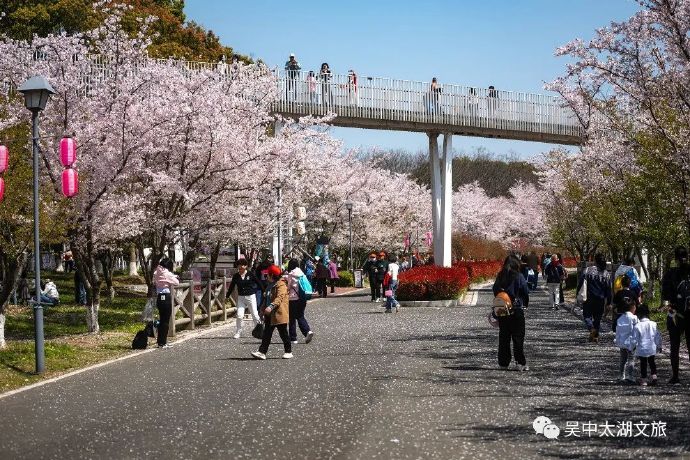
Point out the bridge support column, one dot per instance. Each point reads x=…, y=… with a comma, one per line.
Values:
x=441, y=196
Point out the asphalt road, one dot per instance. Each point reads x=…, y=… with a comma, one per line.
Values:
x=422, y=383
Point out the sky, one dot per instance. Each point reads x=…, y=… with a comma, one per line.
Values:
x=506, y=43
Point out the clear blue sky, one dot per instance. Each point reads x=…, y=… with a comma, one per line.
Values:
x=505, y=43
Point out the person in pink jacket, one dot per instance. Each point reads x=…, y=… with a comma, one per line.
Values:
x=333, y=273
x=165, y=280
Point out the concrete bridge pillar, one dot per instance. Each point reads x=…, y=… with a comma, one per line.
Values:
x=441, y=196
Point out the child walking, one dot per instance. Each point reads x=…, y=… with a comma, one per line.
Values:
x=624, y=340
x=647, y=340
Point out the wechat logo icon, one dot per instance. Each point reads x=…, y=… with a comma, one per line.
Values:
x=544, y=425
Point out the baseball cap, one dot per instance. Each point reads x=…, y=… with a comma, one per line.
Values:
x=274, y=270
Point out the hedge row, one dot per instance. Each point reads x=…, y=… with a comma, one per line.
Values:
x=430, y=282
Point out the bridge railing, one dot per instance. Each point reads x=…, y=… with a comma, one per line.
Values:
x=404, y=100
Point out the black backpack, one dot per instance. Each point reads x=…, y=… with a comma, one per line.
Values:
x=141, y=340
x=683, y=294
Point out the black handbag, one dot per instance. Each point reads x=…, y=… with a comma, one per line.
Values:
x=258, y=331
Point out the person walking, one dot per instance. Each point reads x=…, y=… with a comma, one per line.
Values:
x=393, y=270
x=276, y=314
x=624, y=340
x=564, y=277
x=332, y=274
x=512, y=327
x=598, y=295
x=246, y=284
x=381, y=270
x=297, y=304
x=619, y=301
x=322, y=275
x=165, y=280
x=369, y=270
x=647, y=341
x=675, y=292
x=292, y=69
x=554, y=275
x=533, y=264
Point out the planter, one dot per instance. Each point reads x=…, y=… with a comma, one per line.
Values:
x=431, y=303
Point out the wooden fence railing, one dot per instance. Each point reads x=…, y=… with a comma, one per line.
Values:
x=196, y=303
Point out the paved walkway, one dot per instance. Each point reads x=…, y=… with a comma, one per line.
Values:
x=422, y=383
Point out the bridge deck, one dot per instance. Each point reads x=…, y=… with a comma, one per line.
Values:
x=378, y=103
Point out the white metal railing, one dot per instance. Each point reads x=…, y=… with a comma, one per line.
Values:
x=385, y=99
x=411, y=101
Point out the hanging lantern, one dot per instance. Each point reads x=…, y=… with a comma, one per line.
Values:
x=2, y=188
x=70, y=182
x=68, y=151
x=4, y=158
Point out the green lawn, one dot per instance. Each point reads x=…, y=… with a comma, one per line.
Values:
x=68, y=346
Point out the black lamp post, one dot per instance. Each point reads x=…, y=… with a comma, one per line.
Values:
x=37, y=91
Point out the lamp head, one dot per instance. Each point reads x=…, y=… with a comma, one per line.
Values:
x=36, y=91
x=348, y=205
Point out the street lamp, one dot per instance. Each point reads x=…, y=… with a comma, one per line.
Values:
x=348, y=205
x=279, y=256
x=37, y=91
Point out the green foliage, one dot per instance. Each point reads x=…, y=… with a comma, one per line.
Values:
x=346, y=279
x=172, y=35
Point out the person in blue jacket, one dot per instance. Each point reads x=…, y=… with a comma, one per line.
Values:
x=512, y=327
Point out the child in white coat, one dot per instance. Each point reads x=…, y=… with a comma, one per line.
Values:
x=647, y=340
x=624, y=340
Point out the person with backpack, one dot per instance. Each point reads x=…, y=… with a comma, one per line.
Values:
x=165, y=280
x=511, y=286
x=647, y=341
x=554, y=274
x=619, y=299
x=627, y=268
x=675, y=292
x=598, y=280
x=564, y=277
x=322, y=275
x=246, y=284
x=297, y=302
x=276, y=314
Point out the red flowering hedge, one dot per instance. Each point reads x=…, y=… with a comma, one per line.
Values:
x=430, y=282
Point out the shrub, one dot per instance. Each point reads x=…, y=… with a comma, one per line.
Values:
x=346, y=279
x=430, y=282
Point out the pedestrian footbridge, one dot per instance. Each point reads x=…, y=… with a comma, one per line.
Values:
x=403, y=105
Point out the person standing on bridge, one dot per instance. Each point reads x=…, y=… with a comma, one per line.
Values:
x=311, y=87
x=512, y=327
x=276, y=314
x=434, y=97
x=325, y=77
x=292, y=69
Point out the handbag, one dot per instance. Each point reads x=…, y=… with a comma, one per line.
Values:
x=258, y=331
x=388, y=293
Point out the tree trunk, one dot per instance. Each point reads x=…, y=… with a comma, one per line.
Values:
x=133, y=260
x=213, y=262
x=92, y=309
x=11, y=267
x=188, y=260
x=85, y=258
x=106, y=258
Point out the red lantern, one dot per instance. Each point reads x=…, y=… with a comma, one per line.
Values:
x=70, y=182
x=4, y=159
x=2, y=188
x=68, y=151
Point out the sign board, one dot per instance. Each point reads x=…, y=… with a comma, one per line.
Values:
x=359, y=281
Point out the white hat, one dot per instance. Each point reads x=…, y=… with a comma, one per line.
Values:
x=317, y=258
x=292, y=54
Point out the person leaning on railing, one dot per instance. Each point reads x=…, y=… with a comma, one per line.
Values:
x=292, y=69
x=165, y=281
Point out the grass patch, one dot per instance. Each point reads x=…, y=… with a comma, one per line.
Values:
x=68, y=345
